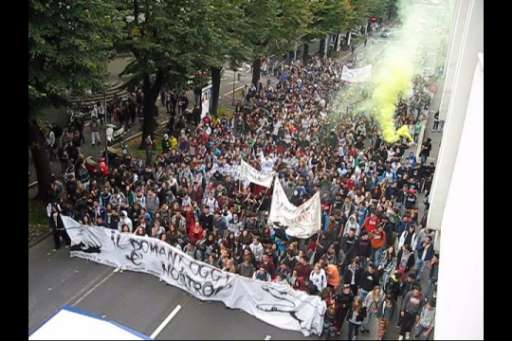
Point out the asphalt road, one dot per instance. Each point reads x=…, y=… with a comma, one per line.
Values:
x=139, y=301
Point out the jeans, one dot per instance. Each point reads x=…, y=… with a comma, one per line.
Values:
x=420, y=265
x=353, y=330
x=419, y=332
x=378, y=256
x=362, y=293
x=366, y=321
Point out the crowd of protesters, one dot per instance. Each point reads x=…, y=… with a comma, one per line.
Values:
x=373, y=252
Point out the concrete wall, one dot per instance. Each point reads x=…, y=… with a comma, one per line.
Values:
x=466, y=43
x=459, y=296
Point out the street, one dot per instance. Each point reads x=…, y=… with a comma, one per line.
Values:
x=139, y=301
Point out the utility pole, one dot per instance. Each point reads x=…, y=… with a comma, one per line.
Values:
x=105, y=117
x=234, y=81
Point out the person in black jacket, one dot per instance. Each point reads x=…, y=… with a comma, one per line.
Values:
x=348, y=244
x=57, y=227
x=369, y=279
x=405, y=260
x=355, y=317
x=352, y=274
x=206, y=219
x=363, y=248
x=345, y=299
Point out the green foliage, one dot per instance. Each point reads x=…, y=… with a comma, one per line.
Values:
x=162, y=36
x=69, y=45
x=36, y=213
x=329, y=16
x=364, y=9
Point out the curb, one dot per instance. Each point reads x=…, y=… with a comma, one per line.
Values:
x=38, y=240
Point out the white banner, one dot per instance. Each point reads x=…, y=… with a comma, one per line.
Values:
x=356, y=75
x=275, y=304
x=251, y=174
x=302, y=221
x=206, y=94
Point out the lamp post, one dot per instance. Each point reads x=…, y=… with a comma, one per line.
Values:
x=234, y=83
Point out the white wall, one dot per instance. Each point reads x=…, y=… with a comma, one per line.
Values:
x=460, y=284
x=466, y=43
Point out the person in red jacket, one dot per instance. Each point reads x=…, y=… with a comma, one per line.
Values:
x=303, y=269
x=350, y=184
x=102, y=165
x=196, y=233
x=378, y=242
x=371, y=223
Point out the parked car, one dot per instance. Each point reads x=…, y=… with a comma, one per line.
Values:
x=386, y=33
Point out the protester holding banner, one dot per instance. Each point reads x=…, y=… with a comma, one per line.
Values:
x=266, y=183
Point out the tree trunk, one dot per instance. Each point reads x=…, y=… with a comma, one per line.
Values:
x=336, y=42
x=41, y=159
x=150, y=92
x=305, y=54
x=322, y=47
x=256, y=71
x=197, y=96
x=215, y=89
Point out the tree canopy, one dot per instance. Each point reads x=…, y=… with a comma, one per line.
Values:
x=69, y=45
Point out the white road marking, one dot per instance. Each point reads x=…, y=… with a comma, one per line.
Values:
x=166, y=321
x=81, y=298
x=268, y=337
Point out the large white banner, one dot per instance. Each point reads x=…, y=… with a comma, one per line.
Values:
x=302, y=221
x=276, y=304
x=250, y=174
x=356, y=75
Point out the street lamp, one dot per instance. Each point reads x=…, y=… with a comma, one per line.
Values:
x=234, y=81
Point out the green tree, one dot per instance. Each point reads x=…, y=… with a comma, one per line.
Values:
x=163, y=37
x=222, y=40
x=69, y=44
x=274, y=27
x=328, y=17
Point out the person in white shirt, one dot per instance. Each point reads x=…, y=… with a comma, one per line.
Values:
x=318, y=278
x=211, y=203
x=256, y=249
x=125, y=220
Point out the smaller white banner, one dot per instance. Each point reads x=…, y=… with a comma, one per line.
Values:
x=356, y=75
x=251, y=174
x=302, y=221
x=206, y=93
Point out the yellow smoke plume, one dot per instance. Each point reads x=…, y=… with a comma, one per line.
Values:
x=393, y=80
